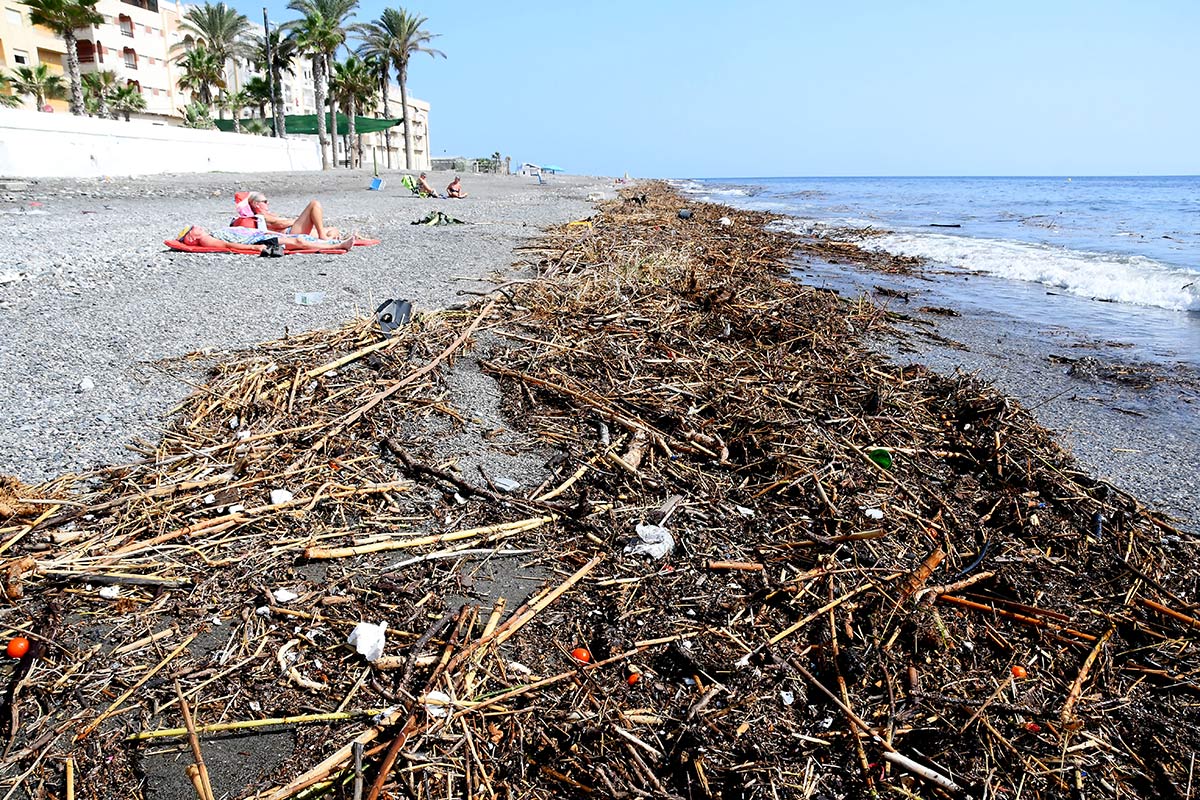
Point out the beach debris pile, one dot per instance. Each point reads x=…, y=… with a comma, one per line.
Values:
x=772, y=563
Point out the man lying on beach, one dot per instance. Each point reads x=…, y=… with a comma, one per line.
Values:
x=455, y=189
x=424, y=188
x=249, y=240
x=309, y=221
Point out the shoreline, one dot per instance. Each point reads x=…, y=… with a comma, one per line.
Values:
x=1130, y=422
x=659, y=371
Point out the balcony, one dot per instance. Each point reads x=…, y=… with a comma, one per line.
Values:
x=148, y=5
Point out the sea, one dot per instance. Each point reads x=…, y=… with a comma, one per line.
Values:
x=1106, y=258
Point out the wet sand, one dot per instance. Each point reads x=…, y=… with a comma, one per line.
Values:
x=1130, y=421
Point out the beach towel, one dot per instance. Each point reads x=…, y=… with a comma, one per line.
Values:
x=175, y=244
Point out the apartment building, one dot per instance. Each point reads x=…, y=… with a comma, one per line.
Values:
x=23, y=44
x=138, y=41
x=133, y=42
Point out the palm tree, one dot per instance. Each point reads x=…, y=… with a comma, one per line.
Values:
x=223, y=30
x=399, y=35
x=319, y=33
x=283, y=53
x=200, y=71
x=63, y=17
x=127, y=99
x=354, y=85
x=375, y=51
x=259, y=93
x=234, y=102
x=98, y=88
x=196, y=115
x=7, y=100
x=38, y=81
x=256, y=127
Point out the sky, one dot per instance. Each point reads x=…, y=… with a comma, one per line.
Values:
x=665, y=88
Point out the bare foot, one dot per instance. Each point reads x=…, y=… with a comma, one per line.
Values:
x=346, y=244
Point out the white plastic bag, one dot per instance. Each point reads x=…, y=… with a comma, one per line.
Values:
x=653, y=540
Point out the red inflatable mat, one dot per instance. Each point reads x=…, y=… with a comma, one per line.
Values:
x=175, y=244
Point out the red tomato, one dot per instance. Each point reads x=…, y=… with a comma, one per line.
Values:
x=18, y=646
x=1019, y=671
x=581, y=654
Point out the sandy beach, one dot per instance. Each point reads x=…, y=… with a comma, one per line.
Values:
x=99, y=297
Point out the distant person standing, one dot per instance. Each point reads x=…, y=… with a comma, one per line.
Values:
x=455, y=189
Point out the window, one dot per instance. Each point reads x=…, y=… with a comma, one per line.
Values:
x=126, y=24
x=20, y=57
x=14, y=16
x=130, y=58
x=86, y=51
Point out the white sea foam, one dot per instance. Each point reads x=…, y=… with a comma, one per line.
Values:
x=1124, y=279
x=708, y=192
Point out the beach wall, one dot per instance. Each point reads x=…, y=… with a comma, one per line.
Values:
x=37, y=145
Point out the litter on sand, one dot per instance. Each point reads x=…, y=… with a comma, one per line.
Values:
x=434, y=218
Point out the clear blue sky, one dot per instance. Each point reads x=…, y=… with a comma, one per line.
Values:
x=755, y=88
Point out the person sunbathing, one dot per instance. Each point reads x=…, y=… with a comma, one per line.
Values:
x=455, y=189
x=424, y=188
x=249, y=240
x=309, y=221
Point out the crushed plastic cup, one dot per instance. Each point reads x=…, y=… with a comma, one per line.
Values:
x=437, y=703
x=284, y=596
x=309, y=298
x=507, y=484
x=368, y=639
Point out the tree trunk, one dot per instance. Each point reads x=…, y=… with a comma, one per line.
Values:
x=237, y=120
x=387, y=114
x=408, y=155
x=73, y=73
x=277, y=107
x=351, y=134
x=332, y=111
x=319, y=95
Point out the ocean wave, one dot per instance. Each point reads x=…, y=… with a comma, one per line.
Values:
x=1102, y=276
x=709, y=191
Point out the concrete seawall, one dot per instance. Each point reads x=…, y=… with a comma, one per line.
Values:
x=38, y=145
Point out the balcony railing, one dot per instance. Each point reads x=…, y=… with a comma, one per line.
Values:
x=127, y=31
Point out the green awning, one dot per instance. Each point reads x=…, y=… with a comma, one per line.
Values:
x=307, y=123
